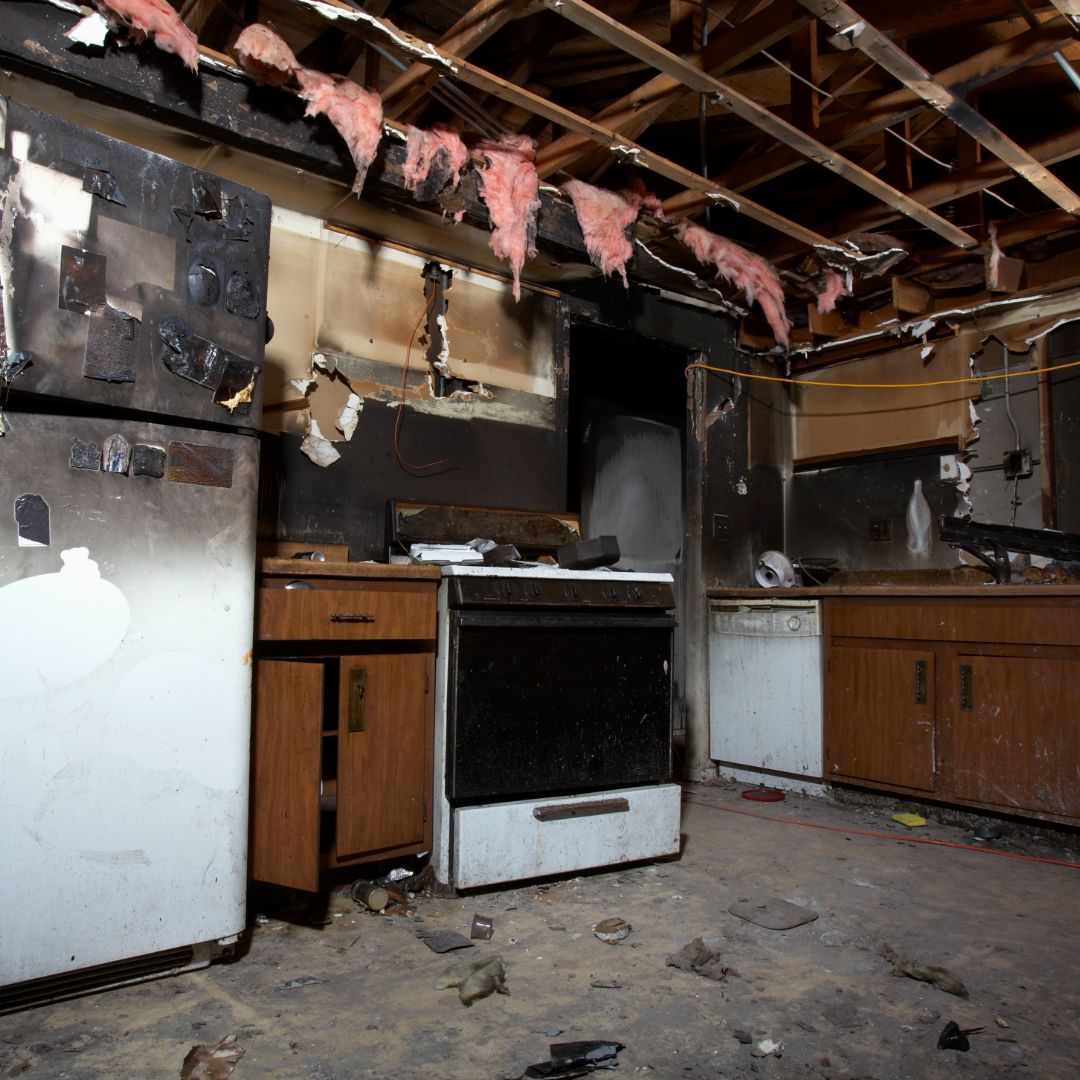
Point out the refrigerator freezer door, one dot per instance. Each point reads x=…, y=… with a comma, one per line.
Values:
x=126, y=612
x=131, y=280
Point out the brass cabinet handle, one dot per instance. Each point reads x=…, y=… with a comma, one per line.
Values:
x=351, y=616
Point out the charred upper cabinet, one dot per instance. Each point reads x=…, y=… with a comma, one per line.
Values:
x=130, y=280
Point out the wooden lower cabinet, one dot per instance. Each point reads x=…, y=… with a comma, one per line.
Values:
x=885, y=697
x=343, y=726
x=971, y=701
x=1014, y=738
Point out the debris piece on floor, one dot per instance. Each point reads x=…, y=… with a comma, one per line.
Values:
x=912, y=821
x=953, y=1037
x=772, y=912
x=987, y=832
x=212, y=1062
x=763, y=794
x=940, y=977
x=703, y=960
x=442, y=941
x=301, y=982
x=369, y=895
x=606, y=984
x=767, y=1047
x=844, y=1015
x=1001, y=1022
x=569, y=1060
x=742, y=1036
x=612, y=931
x=483, y=926
x=550, y=1032
x=474, y=979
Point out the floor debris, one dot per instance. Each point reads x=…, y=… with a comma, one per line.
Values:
x=772, y=912
x=702, y=959
x=767, y=1048
x=212, y=1062
x=301, y=982
x=474, y=980
x=443, y=941
x=940, y=977
x=612, y=931
x=568, y=1060
x=953, y=1037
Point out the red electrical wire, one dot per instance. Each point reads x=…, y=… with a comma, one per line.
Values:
x=401, y=407
x=884, y=836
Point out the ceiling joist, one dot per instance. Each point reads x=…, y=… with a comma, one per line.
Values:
x=745, y=108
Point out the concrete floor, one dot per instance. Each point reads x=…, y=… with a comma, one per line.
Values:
x=357, y=998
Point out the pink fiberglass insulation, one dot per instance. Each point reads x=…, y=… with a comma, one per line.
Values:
x=605, y=218
x=742, y=268
x=355, y=112
x=263, y=53
x=511, y=189
x=835, y=287
x=433, y=159
x=156, y=19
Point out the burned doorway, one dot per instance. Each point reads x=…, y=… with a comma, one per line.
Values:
x=626, y=459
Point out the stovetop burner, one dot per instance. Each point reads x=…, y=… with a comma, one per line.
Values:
x=552, y=586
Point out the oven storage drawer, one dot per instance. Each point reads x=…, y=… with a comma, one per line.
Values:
x=366, y=613
x=528, y=838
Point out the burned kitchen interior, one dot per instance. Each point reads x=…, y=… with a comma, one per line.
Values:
x=542, y=537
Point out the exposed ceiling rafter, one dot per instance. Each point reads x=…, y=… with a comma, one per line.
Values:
x=844, y=20
x=745, y=108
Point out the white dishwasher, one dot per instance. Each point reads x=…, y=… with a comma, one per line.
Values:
x=765, y=691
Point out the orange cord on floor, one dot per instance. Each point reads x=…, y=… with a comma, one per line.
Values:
x=881, y=835
x=401, y=407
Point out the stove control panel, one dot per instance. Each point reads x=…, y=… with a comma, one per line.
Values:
x=559, y=592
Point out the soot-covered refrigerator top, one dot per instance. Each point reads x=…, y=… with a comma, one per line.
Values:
x=134, y=303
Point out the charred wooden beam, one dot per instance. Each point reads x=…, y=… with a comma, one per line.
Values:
x=745, y=108
x=865, y=37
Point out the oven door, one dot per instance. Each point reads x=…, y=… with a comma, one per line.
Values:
x=555, y=703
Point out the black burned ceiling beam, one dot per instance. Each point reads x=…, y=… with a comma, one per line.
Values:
x=721, y=93
x=847, y=22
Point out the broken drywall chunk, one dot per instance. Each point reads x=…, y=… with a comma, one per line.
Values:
x=154, y=19
x=511, y=189
x=350, y=415
x=355, y=112
x=212, y=1062
x=264, y=54
x=319, y=449
x=91, y=31
x=433, y=160
x=606, y=218
x=742, y=268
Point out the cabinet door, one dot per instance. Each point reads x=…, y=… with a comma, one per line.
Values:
x=384, y=752
x=286, y=761
x=1015, y=740
x=879, y=722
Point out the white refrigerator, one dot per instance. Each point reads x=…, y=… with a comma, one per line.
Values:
x=134, y=303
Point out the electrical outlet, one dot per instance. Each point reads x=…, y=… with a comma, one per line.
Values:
x=1016, y=464
x=721, y=527
x=880, y=530
x=950, y=467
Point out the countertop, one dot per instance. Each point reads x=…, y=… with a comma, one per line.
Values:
x=370, y=570
x=815, y=592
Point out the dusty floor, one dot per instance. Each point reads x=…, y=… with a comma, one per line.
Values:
x=356, y=997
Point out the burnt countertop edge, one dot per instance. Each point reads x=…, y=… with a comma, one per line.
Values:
x=369, y=570
x=814, y=592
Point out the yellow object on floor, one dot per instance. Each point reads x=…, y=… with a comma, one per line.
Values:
x=912, y=821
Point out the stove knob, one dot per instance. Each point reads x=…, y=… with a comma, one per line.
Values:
x=633, y=592
x=571, y=591
x=610, y=592
x=505, y=589
x=535, y=588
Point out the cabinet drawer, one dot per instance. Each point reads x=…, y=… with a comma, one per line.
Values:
x=345, y=614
